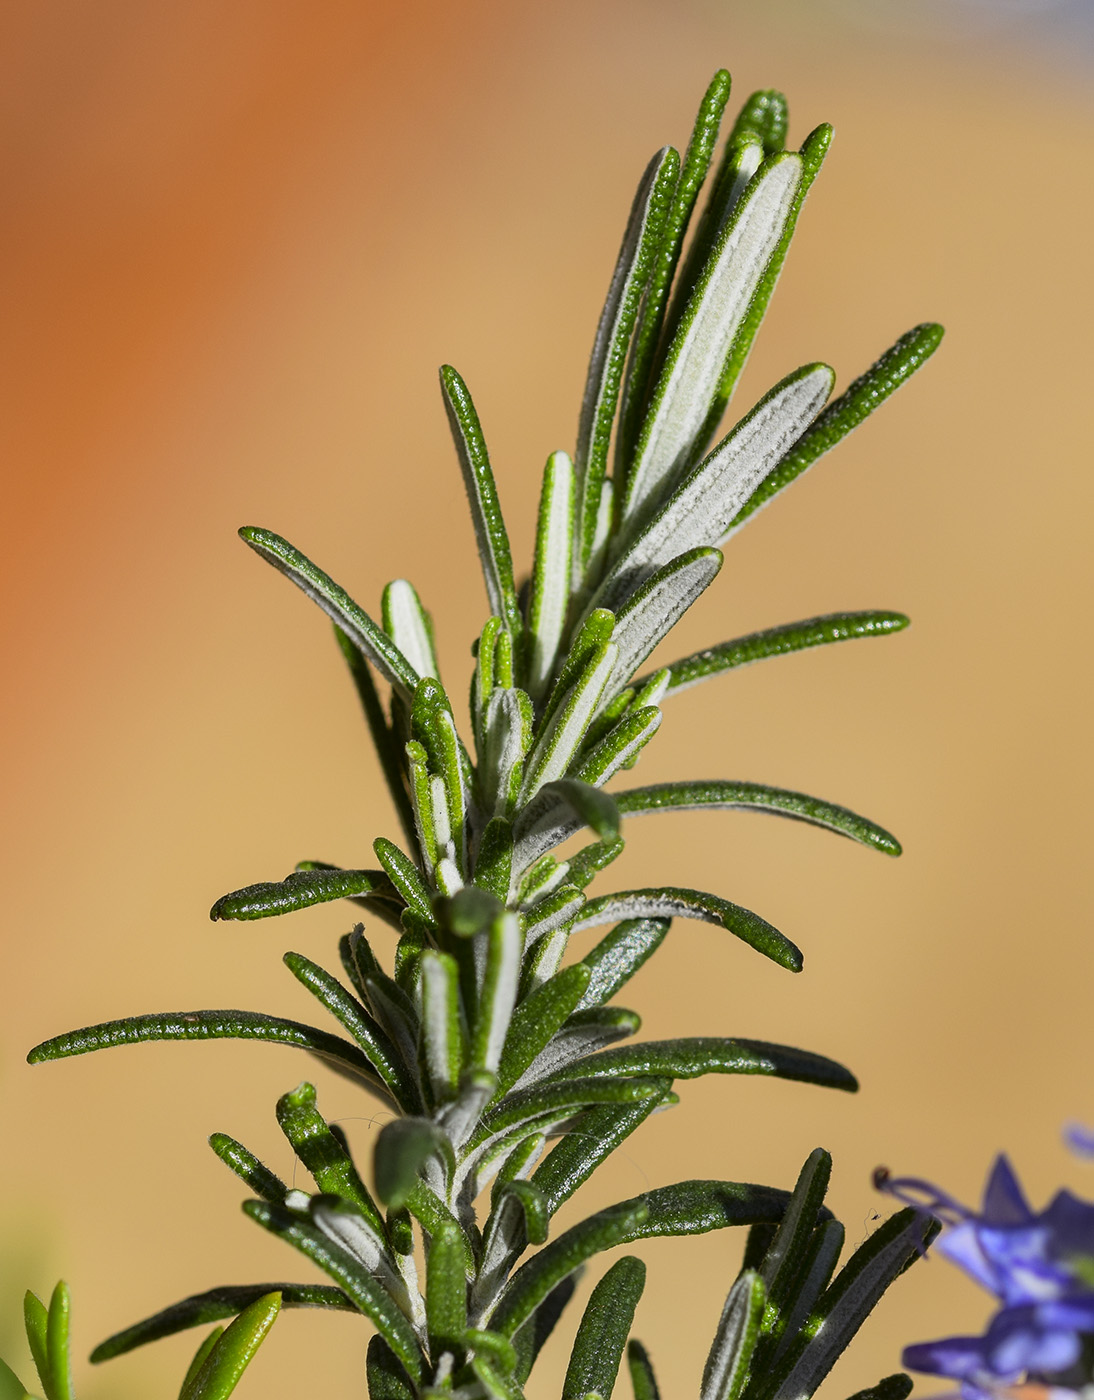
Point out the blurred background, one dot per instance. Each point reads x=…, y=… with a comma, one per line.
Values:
x=238, y=238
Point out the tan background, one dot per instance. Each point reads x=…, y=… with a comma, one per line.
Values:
x=238, y=239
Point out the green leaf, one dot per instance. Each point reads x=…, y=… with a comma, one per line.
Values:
x=561, y=1097
x=11, y=1387
x=36, y=1325
x=215, y=1305
x=693, y=171
x=785, y=1256
x=593, y=808
x=894, y=1387
x=663, y=797
x=387, y=1378
x=634, y=264
x=594, y=633
x=643, y=1380
x=363, y=1290
x=498, y=994
x=369, y=639
x=229, y=1358
x=781, y=641
x=555, y=750
x=814, y=1276
x=352, y=1016
x=212, y=1025
x=765, y=115
x=846, y=1304
x=404, y=875
x=656, y=608
x=402, y=1150
x=583, y=867
x=446, y=1290
x=246, y=1165
x=621, y=746
x=845, y=413
x=493, y=1380
x=727, y=1365
x=442, y=1036
x=409, y=626
x=535, y=1280
x=813, y=151
x=574, y=1159
x=303, y=888
x=537, y=1020
x=322, y=1154
x=693, y=1056
x=602, y=1333
x=549, y=599
x=388, y=749
x=700, y=511
x=704, y=340
x=199, y=1359
x=671, y=903
x=554, y=911
x=529, y=1339
x=584, y=1033
x=619, y=955
x=482, y=496
x=495, y=1348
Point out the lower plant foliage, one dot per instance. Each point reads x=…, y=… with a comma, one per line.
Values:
x=506, y=1065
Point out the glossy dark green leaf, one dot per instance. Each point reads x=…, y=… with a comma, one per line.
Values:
x=643, y=1381
x=494, y=864
x=799, y=806
x=619, y=955
x=539, y=1276
x=446, y=1289
x=895, y=1387
x=813, y=1278
x=693, y=171
x=603, y=1330
x=215, y=1305
x=576, y=1156
x=669, y=903
x=846, y=1303
x=388, y=748
x=529, y=1339
x=387, y=1377
x=537, y=1019
x=633, y=267
x=370, y=639
x=246, y=1165
x=692, y=1056
x=403, y=1147
x=845, y=413
x=783, y=1261
x=562, y=1095
x=353, y=1017
x=302, y=889
x=322, y=1154
x=586, y=865
x=482, y=495
x=356, y=1281
x=404, y=875
x=727, y=1366
x=212, y=1025
x=220, y=1372
x=781, y=641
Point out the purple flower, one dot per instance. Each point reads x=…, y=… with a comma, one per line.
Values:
x=1039, y=1266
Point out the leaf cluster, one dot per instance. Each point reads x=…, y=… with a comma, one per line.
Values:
x=497, y=1053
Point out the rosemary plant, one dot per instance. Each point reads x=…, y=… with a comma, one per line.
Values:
x=502, y=1062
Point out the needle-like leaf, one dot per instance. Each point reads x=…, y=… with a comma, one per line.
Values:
x=619, y=955
x=780, y=641
x=409, y=626
x=482, y=495
x=303, y=888
x=602, y=1332
x=665, y=797
x=371, y=640
x=220, y=1372
x=643, y=1380
x=726, y=1369
x=671, y=903
x=692, y=1056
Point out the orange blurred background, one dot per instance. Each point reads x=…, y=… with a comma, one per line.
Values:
x=238, y=238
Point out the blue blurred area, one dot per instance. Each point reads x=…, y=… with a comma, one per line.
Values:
x=1045, y=28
